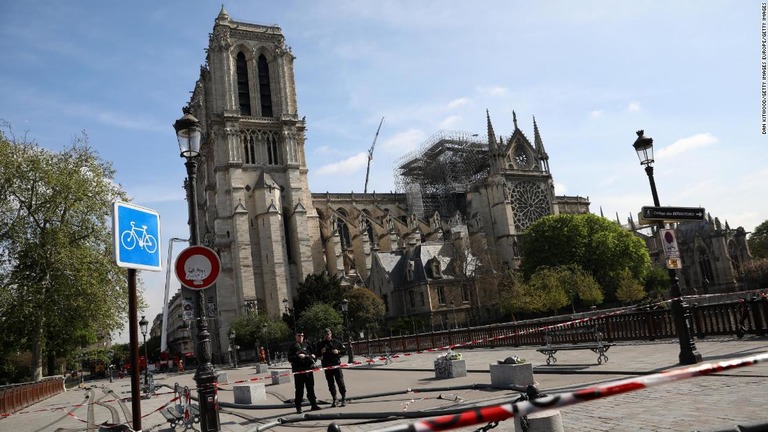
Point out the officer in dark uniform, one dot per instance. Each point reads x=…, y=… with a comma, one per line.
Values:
x=330, y=351
x=302, y=359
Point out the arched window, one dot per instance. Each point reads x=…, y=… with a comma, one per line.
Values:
x=273, y=150
x=243, y=91
x=264, y=89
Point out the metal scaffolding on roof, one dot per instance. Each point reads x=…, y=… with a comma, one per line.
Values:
x=437, y=176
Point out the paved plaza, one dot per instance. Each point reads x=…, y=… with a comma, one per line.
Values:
x=408, y=386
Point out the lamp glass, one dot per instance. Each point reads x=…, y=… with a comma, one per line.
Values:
x=143, y=325
x=644, y=147
x=188, y=134
x=344, y=305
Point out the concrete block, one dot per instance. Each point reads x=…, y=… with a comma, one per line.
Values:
x=542, y=421
x=504, y=375
x=262, y=368
x=222, y=377
x=281, y=376
x=248, y=394
x=450, y=368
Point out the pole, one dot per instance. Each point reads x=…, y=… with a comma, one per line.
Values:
x=266, y=341
x=205, y=376
x=133, y=330
x=146, y=361
x=680, y=312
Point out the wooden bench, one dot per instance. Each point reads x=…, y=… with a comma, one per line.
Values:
x=597, y=346
x=183, y=412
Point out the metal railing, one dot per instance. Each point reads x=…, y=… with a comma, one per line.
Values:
x=714, y=319
x=16, y=397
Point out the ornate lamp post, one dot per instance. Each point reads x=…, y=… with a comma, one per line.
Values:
x=453, y=309
x=233, y=346
x=266, y=339
x=345, y=311
x=143, y=324
x=680, y=313
x=189, y=135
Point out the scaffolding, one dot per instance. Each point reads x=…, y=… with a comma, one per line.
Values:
x=437, y=176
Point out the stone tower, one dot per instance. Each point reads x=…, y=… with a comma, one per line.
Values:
x=254, y=204
x=517, y=192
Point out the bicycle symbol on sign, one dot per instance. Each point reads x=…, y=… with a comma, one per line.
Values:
x=130, y=238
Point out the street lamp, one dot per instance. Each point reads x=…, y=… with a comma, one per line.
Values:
x=233, y=346
x=345, y=311
x=688, y=354
x=287, y=313
x=453, y=309
x=143, y=324
x=266, y=340
x=189, y=135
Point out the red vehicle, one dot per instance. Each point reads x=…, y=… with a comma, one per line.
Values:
x=142, y=365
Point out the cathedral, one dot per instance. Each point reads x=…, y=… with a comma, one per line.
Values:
x=256, y=209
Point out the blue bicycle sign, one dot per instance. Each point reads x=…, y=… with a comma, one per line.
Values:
x=136, y=231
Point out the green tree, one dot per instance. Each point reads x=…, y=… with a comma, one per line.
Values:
x=758, y=241
x=600, y=247
x=657, y=282
x=547, y=290
x=366, y=310
x=60, y=287
x=754, y=274
x=629, y=289
x=318, y=288
x=318, y=317
x=260, y=330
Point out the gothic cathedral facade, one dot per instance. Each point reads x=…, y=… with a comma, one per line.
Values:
x=255, y=208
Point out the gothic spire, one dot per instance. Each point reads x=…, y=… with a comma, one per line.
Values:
x=601, y=212
x=223, y=12
x=491, y=134
x=618, y=221
x=514, y=119
x=538, y=142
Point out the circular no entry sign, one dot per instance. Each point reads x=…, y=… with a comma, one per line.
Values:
x=197, y=267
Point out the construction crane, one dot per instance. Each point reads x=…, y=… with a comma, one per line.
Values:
x=370, y=156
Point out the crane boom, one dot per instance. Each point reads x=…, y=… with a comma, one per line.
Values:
x=370, y=155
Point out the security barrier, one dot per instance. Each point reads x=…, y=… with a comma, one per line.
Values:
x=16, y=397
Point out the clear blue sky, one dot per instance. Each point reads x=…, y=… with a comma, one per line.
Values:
x=592, y=72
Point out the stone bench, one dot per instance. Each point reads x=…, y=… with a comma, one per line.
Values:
x=248, y=394
x=505, y=375
x=281, y=376
x=450, y=368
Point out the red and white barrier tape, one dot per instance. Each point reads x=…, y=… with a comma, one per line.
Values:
x=505, y=411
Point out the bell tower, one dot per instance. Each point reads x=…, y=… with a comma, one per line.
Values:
x=255, y=206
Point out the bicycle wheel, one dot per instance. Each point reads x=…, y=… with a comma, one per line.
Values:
x=128, y=239
x=150, y=244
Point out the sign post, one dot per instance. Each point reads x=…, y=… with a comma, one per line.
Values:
x=198, y=267
x=136, y=233
x=672, y=214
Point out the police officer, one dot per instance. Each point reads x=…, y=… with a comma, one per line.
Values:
x=302, y=359
x=330, y=351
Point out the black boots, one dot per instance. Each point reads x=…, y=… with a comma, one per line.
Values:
x=333, y=404
x=315, y=407
x=343, y=401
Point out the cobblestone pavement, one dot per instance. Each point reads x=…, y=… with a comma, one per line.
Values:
x=408, y=385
